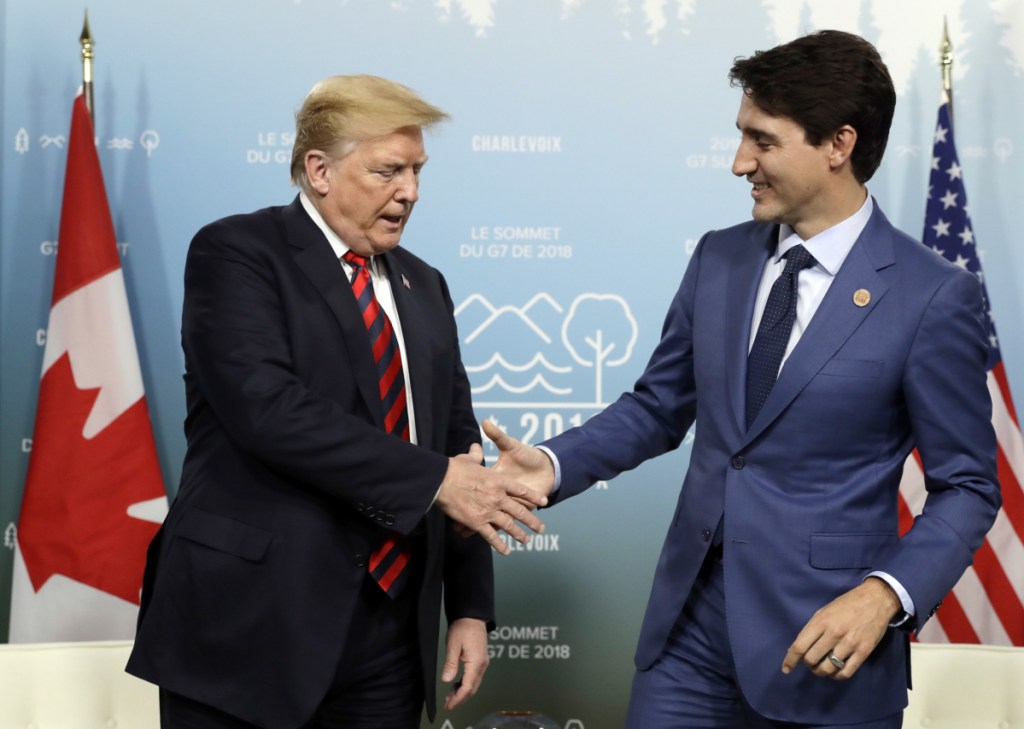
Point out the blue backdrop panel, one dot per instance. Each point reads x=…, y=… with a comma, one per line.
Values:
x=589, y=149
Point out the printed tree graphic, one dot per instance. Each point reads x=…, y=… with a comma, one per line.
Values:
x=597, y=327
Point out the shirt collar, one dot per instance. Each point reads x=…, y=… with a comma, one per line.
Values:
x=829, y=247
x=337, y=244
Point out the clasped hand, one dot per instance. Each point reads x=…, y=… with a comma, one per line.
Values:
x=489, y=501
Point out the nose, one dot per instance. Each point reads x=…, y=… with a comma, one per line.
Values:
x=408, y=187
x=743, y=164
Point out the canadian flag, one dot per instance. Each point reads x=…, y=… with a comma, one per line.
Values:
x=94, y=496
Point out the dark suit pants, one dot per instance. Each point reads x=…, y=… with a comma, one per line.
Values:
x=378, y=685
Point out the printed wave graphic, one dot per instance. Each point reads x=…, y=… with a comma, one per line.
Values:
x=537, y=381
x=498, y=360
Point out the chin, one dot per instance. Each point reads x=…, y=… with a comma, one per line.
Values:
x=765, y=215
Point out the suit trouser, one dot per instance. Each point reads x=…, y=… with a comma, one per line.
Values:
x=693, y=684
x=379, y=680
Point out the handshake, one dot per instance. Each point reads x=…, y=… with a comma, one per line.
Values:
x=488, y=500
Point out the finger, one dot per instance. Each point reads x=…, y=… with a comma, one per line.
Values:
x=492, y=538
x=476, y=452
x=452, y=699
x=798, y=650
x=451, y=662
x=472, y=677
x=527, y=517
x=512, y=529
x=528, y=505
x=522, y=493
x=458, y=695
x=499, y=437
x=816, y=657
x=853, y=662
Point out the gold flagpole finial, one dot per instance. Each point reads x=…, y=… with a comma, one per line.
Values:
x=87, y=54
x=946, y=64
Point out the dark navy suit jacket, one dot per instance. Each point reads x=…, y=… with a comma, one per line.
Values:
x=809, y=491
x=289, y=480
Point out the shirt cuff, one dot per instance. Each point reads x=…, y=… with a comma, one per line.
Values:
x=902, y=594
x=554, y=462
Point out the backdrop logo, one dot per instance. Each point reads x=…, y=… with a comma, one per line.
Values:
x=552, y=355
x=149, y=140
x=539, y=368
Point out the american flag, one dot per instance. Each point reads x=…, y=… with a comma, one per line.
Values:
x=987, y=605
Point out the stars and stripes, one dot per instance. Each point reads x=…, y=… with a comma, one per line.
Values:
x=987, y=605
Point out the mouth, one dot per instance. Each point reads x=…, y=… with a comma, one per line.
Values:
x=394, y=221
x=758, y=189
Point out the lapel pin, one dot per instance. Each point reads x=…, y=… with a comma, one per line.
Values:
x=405, y=282
x=862, y=297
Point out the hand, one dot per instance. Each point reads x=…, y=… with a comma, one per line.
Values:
x=849, y=628
x=466, y=644
x=482, y=501
x=527, y=465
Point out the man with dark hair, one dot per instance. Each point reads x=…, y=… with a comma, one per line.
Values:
x=814, y=347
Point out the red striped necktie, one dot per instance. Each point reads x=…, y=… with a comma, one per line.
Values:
x=388, y=562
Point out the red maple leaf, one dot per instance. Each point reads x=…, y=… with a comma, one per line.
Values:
x=74, y=519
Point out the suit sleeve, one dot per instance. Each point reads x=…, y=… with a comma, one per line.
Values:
x=648, y=421
x=235, y=335
x=947, y=399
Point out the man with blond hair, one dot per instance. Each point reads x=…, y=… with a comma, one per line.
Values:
x=332, y=453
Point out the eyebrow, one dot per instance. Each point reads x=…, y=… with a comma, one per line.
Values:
x=760, y=134
x=396, y=163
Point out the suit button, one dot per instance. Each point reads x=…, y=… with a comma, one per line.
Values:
x=390, y=521
x=705, y=534
x=738, y=462
x=360, y=560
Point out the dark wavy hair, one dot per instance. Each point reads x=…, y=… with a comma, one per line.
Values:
x=823, y=81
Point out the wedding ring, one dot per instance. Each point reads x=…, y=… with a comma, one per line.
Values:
x=836, y=660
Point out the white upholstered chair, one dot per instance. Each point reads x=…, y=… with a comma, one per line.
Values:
x=73, y=686
x=84, y=686
x=966, y=687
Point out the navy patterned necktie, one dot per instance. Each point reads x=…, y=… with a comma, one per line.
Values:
x=388, y=562
x=773, y=332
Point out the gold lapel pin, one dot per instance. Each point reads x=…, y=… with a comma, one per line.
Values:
x=862, y=297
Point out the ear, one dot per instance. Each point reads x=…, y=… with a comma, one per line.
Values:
x=318, y=171
x=843, y=142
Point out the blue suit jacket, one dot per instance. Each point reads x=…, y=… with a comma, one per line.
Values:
x=809, y=492
x=289, y=480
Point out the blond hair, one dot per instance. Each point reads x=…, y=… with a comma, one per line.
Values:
x=342, y=110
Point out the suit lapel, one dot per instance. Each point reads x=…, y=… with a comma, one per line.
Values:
x=745, y=276
x=836, y=319
x=416, y=330
x=315, y=257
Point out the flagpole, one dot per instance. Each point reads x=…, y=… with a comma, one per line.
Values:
x=87, y=54
x=946, y=64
